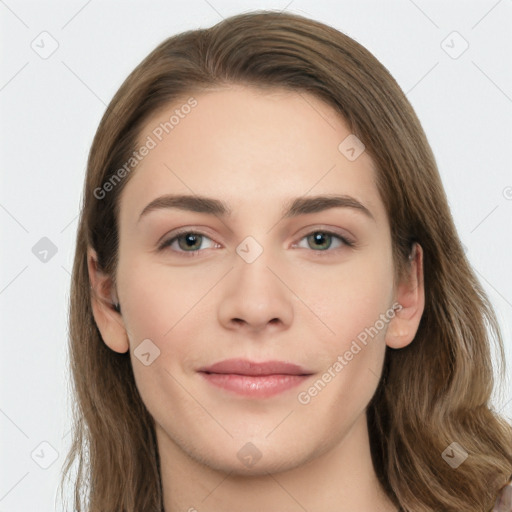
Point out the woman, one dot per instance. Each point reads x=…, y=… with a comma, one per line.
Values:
x=271, y=308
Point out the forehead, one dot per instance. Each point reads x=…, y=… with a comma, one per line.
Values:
x=249, y=146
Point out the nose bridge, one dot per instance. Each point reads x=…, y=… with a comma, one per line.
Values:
x=255, y=295
x=252, y=268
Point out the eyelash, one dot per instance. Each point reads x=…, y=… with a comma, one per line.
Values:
x=347, y=242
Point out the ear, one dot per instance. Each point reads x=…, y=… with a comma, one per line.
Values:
x=103, y=296
x=410, y=294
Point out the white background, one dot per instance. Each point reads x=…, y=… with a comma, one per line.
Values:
x=50, y=109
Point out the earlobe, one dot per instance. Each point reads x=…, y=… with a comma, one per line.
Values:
x=410, y=294
x=103, y=296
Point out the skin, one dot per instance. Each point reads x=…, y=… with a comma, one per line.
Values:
x=255, y=150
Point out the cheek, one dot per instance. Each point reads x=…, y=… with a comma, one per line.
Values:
x=156, y=298
x=157, y=318
x=161, y=306
x=350, y=300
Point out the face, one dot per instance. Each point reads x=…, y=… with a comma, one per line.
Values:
x=258, y=282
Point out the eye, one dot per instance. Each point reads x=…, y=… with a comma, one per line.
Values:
x=191, y=242
x=187, y=241
x=323, y=240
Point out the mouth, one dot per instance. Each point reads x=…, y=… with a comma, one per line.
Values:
x=254, y=379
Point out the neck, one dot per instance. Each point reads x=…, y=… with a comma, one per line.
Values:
x=340, y=480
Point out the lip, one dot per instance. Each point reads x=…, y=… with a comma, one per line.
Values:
x=254, y=379
x=247, y=367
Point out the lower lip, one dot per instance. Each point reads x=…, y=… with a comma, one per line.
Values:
x=261, y=386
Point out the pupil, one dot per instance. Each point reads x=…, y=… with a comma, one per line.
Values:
x=319, y=237
x=191, y=241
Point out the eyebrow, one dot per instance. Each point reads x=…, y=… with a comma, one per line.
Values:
x=293, y=208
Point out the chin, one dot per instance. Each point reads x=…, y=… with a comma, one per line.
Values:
x=261, y=468
x=246, y=459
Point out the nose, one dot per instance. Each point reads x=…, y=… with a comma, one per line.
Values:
x=256, y=296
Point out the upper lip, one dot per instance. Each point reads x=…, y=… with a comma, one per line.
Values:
x=247, y=367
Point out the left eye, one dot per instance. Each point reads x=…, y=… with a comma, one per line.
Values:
x=190, y=241
x=324, y=240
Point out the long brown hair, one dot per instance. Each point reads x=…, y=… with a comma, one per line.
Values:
x=432, y=393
